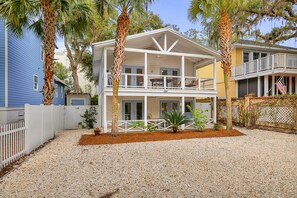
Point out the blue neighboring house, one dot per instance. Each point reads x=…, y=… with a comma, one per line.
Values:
x=21, y=74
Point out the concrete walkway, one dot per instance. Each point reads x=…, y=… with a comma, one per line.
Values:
x=260, y=164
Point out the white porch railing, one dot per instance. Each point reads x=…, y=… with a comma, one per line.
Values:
x=12, y=142
x=128, y=80
x=272, y=62
x=162, y=82
x=199, y=83
x=138, y=125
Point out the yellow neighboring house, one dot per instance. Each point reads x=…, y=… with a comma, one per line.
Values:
x=256, y=67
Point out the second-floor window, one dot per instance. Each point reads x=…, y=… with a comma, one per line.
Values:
x=62, y=92
x=35, y=82
x=246, y=57
x=41, y=53
x=56, y=90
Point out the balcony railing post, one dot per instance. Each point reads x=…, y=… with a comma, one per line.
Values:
x=285, y=61
x=199, y=83
x=272, y=62
x=126, y=80
x=164, y=82
x=258, y=64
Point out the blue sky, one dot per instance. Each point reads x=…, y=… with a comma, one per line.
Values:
x=176, y=12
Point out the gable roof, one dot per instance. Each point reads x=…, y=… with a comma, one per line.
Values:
x=262, y=45
x=59, y=80
x=144, y=41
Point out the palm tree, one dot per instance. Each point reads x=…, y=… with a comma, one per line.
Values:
x=123, y=24
x=221, y=14
x=41, y=16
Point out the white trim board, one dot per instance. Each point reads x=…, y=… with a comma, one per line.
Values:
x=6, y=67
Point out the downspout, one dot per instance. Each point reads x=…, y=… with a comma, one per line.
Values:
x=6, y=67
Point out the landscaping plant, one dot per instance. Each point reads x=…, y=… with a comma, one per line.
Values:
x=149, y=127
x=217, y=126
x=89, y=118
x=199, y=118
x=175, y=119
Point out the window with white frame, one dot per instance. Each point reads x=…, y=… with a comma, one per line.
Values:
x=35, y=82
x=56, y=90
x=62, y=92
x=41, y=52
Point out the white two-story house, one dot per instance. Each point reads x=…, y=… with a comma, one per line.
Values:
x=158, y=75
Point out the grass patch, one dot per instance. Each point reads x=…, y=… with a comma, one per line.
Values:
x=106, y=138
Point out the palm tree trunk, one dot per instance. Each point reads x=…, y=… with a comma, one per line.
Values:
x=225, y=27
x=49, y=50
x=123, y=24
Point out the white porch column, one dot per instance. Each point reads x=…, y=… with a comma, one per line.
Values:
x=145, y=111
x=104, y=113
x=183, y=72
x=105, y=68
x=259, y=86
x=145, y=70
x=214, y=109
x=214, y=74
x=290, y=85
x=266, y=88
x=273, y=85
x=183, y=110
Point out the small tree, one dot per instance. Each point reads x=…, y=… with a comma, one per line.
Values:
x=175, y=119
x=89, y=118
x=199, y=117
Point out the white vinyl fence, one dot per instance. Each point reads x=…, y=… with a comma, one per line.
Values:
x=40, y=125
x=12, y=142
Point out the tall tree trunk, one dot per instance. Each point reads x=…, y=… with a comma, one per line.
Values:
x=75, y=59
x=49, y=15
x=75, y=79
x=225, y=27
x=123, y=24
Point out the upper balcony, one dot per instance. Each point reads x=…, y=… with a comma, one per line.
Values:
x=276, y=63
x=162, y=82
x=158, y=62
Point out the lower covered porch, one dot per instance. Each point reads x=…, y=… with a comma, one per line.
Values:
x=144, y=113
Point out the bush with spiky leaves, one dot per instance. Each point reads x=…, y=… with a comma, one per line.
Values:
x=175, y=119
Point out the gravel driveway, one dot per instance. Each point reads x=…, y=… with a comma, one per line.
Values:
x=260, y=164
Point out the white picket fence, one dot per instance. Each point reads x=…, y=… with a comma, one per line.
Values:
x=40, y=125
x=12, y=142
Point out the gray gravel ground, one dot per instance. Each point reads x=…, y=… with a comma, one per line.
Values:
x=260, y=164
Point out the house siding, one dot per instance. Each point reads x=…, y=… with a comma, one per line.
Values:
x=60, y=100
x=24, y=61
x=2, y=63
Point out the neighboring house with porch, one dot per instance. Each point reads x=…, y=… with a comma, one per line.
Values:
x=256, y=67
x=158, y=75
x=21, y=74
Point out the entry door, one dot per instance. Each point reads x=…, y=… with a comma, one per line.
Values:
x=133, y=110
x=132, y=80
x=168, y=106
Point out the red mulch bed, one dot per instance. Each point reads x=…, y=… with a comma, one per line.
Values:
x=106, y=138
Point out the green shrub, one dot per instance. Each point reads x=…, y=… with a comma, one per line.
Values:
x=199, y=118
x=149, y=127
x=175, y=119
x=89, y=118
x=216, y=127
